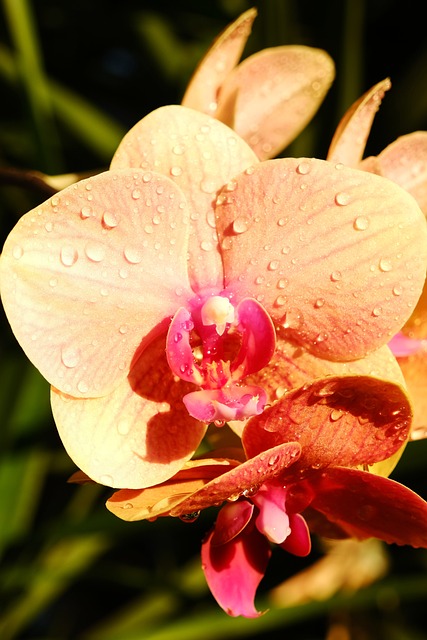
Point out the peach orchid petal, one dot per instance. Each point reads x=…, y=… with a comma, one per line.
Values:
x=138, y=435
x=341, y=253
x=221, y=58
x=347, y=421
x=349, y=141
x=414, y=368
x=405, y=162
x=200, y=154
x=272, y=95
x=87, y=275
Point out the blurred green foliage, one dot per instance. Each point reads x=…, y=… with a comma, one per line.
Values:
x=74, y=76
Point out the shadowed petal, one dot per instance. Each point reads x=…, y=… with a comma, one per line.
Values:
x=87, y=275
x=222, y=56
x=234, y=570
x=347, y=421
x=298, y=542
x=366, y=505
x=271, y=96
x=341, y=253
x=349, y=141
x=137, y=436
x=201, y=155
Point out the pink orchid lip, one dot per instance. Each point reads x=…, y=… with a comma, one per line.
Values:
x=213, y=320
x=403, y=346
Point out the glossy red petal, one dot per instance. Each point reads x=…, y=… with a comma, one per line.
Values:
x=234, y=570
x=335, y=255
x=349, y=420
x=366, y=505
x=231, y=520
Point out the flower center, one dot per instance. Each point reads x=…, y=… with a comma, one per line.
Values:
x=200, y=348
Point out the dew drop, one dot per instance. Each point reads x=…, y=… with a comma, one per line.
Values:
x=123, y=427
x=189, y=517
x=95, y=251
x=342, y=198
x=319, y=303
x=82, y=386
x=335, y=415
x=336, y=276
x=133, y=255
x=17, y=252
x=397, y=290
x=376, y=311
x=109, y=220
x=123, y=329
x=136, y=193
x=273, y=265
x=48, y=226
x=70, y=357
x=208, y=186
x=385, y=265
x=85, y=212
x=280, y=301
x=240, y=225
x=303, y=168
x=178, y=150
x=107, y=480
x=68, y=255
x=176, y=171
x=361, y=223
x=282, y=283
x=206, y=245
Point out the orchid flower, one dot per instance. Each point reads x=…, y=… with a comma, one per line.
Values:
x=405, y=162
x=269, y=97
x=148, y=294
x=300, y=473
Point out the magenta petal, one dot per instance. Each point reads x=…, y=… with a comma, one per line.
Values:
x=228, y=403
x=231, y=521
x=366, y=505
x=178, y=349
x=234, y=570
x=298, y=542
x=272, y=520
x=403, y=346
x=258, y=339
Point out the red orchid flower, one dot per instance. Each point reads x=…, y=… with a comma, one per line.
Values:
x=405, y=162
x=300, y=473
x=148, y=294
x=269, y=97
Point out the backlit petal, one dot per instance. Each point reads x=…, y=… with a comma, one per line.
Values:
x=222, y=56
x=350, y=420
x=200, y=154
x=366, y=505
x=336, y=256
x=87, y=275
x=234, y=570
x=232, y=519
x=405, y=162
x=349, y=141
x=137, y=436
x=271, y=96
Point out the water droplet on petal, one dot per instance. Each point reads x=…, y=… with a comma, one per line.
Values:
x=95, y=251
x=335, y=415
x=342, y=198
x=70, y=357
x=107, y=480
x=109, y=220
x=123, y=427
x=397, y=291
x=385, y=265
x=136, y=193
x=273, y=265
x=303, y=168
x=82, y=386
x=133, y=255
x=17, y=252
x=336, y=276
x=361, y=223
x=176, y=171
x=240, y=225
x=85, y=212
x=319, y=303
x=68, y=255
x=376, y=311
x=206, y=245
